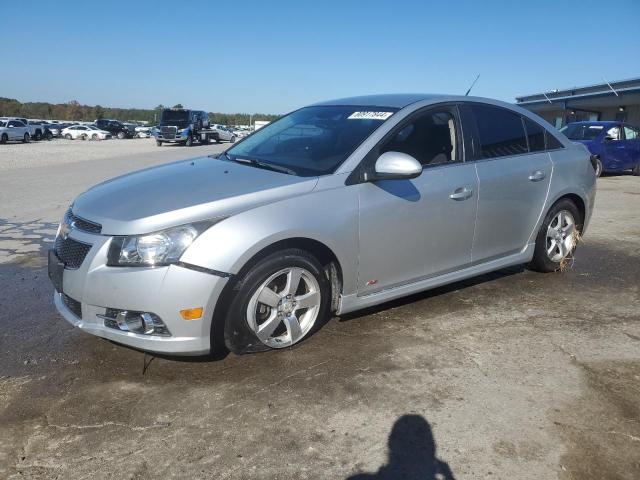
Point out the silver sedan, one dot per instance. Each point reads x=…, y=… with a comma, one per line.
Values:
x=333, y=208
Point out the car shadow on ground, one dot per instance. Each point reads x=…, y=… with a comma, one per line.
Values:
x=412, y=453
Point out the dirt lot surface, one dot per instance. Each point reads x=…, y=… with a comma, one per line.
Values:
x=513, y=375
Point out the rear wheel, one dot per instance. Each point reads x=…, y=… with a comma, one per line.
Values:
x=4, y=138
x=636, y=170
x=68, y=136
x=216, y=138
x=277, y=303
x=38, y=136
x=158, y=143
x=48, y=135
x=233, y=139
x=121, y=135
x=558, y=237
x=26, y=138
x=83, y=136
x=94, y=136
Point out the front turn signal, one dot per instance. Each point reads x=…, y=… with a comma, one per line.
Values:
x=191, y=313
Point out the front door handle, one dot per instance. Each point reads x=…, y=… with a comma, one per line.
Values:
x=461, y=193
x=537, y=176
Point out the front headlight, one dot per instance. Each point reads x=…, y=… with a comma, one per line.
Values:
x=154, y=249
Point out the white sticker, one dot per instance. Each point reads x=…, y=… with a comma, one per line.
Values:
x=370, y=115
x=597, y=127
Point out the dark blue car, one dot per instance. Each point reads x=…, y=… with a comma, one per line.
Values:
x=615, y=145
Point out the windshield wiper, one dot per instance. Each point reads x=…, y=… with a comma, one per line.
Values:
x=258, y=164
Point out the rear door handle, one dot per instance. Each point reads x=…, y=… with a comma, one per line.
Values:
x=461, y=193
x=537, y=176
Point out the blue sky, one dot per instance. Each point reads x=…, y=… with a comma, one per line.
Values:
x=274, y=56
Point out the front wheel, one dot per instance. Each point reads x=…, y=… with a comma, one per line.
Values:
x=598, y=167
x=158, y=143
x=26, y=138
x=4, y=138
x=121, y=135
x=277, y=303
x=233, y=139
x=636, y=170
x=48, y=136
x=38, y=136
x=558, y=237
x=94, y=136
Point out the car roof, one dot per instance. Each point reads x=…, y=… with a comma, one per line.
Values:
x=601, y=122
x=393, y=100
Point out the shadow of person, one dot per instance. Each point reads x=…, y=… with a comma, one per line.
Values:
x=412, y=454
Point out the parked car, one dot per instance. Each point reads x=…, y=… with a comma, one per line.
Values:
x=333, y=208
x=12, y=130
x=56, y=128
x=36, y=128
x=222, y=133
x=114, y=127
x=85, y=132
x=616, y=145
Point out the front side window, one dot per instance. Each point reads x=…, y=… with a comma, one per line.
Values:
x=501, y=132
x=312, y=141
x=430, y=138
x=614, y=133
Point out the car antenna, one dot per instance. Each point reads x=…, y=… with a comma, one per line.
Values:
x=474, y=82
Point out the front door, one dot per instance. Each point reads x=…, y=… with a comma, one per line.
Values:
x=514, y=174
x=413, y=229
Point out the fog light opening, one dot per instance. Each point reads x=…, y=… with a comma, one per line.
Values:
x=144, y=323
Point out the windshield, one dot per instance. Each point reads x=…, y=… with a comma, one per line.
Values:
x=312, y=141
x=575, y=131
x=170, y=117
x=3, y=123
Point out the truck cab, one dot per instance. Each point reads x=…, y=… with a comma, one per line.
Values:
x=179, y=125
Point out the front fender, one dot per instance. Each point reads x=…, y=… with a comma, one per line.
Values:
x=329, y=216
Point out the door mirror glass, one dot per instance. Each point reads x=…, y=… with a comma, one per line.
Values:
x=396, y=165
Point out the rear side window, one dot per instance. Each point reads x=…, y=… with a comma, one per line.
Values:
x=535, y=135
x=501, y=132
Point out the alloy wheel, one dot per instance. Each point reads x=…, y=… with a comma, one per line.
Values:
x=561, y=236
x=284, y=307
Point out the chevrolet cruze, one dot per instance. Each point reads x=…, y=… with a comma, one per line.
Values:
x=334, y=207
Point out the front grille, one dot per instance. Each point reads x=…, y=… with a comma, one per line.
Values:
x=71, y=252
x=81, y=224
x=73, y=305
x=169, y=132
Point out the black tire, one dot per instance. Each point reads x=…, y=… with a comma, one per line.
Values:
x=233, y=139
x=541, y=261
x=68, y=136
x=205, y=141
x=598, y=167
x=26, y=138
x=48, y=136
x=238, y=336
x=83, y=136
x=4, y=139
x=216, y=138
x=189, y=141
x=158, y=143
x=38, y=136
x=94, y=136
x=636, y=170
x=121, y=135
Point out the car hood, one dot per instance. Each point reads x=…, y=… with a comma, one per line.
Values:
x=183, y=192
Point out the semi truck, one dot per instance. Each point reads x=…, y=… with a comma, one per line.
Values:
x=180, y=125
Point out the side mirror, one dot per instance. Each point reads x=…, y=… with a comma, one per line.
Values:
x=396, y=166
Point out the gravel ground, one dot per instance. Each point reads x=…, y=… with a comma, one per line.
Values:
x=512, y=375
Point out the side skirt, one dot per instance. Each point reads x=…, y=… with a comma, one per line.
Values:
x=350, y=303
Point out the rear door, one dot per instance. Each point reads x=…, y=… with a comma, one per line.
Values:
x=514, y=173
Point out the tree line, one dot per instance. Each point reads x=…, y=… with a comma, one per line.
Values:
x=73, y=110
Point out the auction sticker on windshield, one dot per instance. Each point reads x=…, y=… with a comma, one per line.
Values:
x=370, y=115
